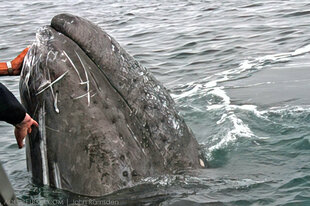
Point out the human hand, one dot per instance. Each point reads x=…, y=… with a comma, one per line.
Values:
x=24, y=128
x=18, y=62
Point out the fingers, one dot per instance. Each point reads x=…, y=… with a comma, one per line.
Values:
x=20, y=134
x=35, y=123
x=20, y=140
x=21, y=144
x=24, y=128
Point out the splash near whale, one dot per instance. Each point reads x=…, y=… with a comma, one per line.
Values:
x=105, y=121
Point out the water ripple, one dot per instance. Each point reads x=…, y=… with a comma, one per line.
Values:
x=226, y=63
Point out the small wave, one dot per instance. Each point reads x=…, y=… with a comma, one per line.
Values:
x=288, y=110
x=216, y=99
x=162, y=180
x=302, y=50
x=239, y=129
x=297, y=183
x=253, y=5
x=219, y=91
x=298, y=13
x=190, y=92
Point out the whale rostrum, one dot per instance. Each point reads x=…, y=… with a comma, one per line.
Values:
x=105, y=122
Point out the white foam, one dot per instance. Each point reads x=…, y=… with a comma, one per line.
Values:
x=215, y=107
x=223, y=118
x=245, y=65
x=210, y=86
x=188, y=93
x=295, y=110
x=273, y=57
x=251, y=108
x=302, y=50
x=219, y=91
x=239, y=130
x=161, y=180
x=242, y=183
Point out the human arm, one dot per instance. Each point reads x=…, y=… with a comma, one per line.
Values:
x=12, y=112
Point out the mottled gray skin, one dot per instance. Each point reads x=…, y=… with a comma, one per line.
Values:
x=105, y=121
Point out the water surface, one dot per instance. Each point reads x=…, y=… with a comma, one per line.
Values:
x=238, y=72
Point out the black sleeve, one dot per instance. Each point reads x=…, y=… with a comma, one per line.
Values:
x=11, y=110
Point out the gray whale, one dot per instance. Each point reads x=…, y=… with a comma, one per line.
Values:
x=105, y=122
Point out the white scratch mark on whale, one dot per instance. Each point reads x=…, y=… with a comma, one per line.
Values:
x=50, y=58
x=157, y=146
x=87, y=79
x=83, y=95
x=55, y=103
x=135, y=139
x=51, y=84
x=43, y=145
x=73, y=66
x=57, y=176
x=54, y=130
x=93, y=95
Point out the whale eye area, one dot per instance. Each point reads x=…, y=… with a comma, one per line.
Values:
x=125, y=174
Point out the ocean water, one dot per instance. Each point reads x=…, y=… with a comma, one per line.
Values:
x=239, y=72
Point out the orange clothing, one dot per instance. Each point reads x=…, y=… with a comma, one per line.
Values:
x=16, y=64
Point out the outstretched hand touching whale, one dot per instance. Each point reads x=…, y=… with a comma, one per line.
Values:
x=11, y=110
x=24, y=128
